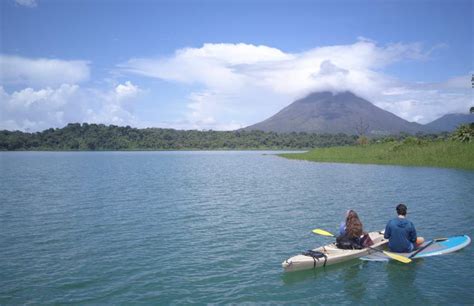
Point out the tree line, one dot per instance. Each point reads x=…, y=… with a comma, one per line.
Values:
x=100, y=137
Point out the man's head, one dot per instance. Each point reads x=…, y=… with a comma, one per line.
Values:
x=401, y=209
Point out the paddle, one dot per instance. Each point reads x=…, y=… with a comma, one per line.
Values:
x=427, y=245
x=399, y=258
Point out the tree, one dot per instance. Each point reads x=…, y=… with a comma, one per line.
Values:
x=362, y=127
x=464, y=133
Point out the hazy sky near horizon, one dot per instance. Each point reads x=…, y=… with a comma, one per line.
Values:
x=227, y=64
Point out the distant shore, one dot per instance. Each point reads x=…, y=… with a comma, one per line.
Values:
x=99, y=137
x=443, y=154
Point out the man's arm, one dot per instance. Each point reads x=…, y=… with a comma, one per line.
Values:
x=412, y=234
x=387, y=232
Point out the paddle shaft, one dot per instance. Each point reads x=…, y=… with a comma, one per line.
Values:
x=375, y=249
x=421, y=249
x=328, y=234
x=400, y=258
x=394, y=256
x=427, y=245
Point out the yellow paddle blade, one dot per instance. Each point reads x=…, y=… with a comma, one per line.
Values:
x=397, y=257
x=319, y=231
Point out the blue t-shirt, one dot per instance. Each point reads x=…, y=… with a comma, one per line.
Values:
x=401, y=234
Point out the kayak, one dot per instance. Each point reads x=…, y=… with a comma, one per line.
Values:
x=330, y=254
x=435, y=247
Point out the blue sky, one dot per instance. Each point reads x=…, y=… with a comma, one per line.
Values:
x=227, y=64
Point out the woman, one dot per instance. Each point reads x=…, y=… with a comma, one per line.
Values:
x=352, y=227
x=351, y=232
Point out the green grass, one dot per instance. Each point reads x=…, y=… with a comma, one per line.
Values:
x=445, y=154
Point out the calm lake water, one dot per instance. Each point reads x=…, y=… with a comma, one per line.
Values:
x=214, y=227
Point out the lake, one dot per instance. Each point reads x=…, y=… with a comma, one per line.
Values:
x=213, y=227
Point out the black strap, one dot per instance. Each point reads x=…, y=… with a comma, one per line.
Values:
x=316, y=255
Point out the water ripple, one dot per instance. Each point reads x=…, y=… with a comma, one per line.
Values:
x=213, y=227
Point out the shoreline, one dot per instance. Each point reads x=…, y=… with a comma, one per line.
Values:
x=448, y=154
x=167, y=150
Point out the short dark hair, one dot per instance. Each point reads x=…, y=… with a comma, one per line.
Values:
x=401, y=209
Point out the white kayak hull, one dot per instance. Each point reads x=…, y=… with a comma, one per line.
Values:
x=333, y=254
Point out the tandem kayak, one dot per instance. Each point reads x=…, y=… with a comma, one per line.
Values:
x=330, y=254
x=430, y=248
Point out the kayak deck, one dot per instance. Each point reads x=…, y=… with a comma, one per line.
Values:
x=433, y=248
x=331, y=255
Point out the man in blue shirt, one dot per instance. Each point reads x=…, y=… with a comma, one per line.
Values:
x=402, y=233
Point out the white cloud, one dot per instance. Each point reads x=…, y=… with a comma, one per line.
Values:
x=241, y=84
x=39, y=73
x=126, y=91
x=202, y=108
x=50, y=95
x=424, y=102
x=230, y=85
x=327, y=68
x=27, y=3
x=117, y=105
x=30, y=109
x=33, y=110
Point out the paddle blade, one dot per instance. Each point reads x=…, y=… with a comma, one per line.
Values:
x=400, y=258
x=319, y=231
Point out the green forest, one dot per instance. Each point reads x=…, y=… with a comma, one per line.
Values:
x=99, y=137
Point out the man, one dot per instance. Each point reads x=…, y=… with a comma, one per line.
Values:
x=402, y=233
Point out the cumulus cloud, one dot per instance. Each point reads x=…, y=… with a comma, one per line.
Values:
x=41, y=72
x=126, y=90
x=424, y=102
x=30, y=109
x=240, y=84
x=27, y=3
x=117, y=105
x=33, y=110
x=203, y=107
x=213, y=65
x=50, y=95
x=328, y=68
x=229, y=85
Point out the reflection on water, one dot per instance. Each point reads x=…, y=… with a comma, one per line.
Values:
x=292, y=278
x=355, y=282
x=368, y=282
x=401, y=282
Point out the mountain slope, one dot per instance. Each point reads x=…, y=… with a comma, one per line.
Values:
x=450, y=122
x=325, y=112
